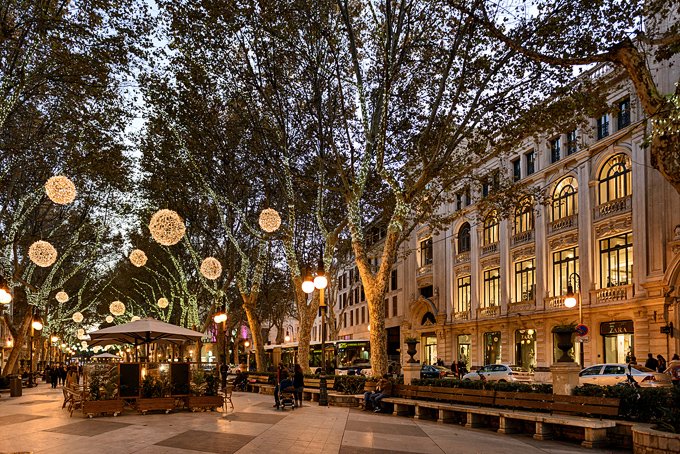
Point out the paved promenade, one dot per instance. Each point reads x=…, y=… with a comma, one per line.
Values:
x=36, y=423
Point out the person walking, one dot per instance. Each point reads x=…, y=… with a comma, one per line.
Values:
x=298, y=384
x=651, y=363
x=54, y=377
x=661, y=367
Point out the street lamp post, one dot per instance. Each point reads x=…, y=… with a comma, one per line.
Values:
x=320, y=282
x=246, y=344
x=36, y=325
x=571, y=299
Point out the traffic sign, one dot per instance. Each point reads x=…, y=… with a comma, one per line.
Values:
x=582, y=330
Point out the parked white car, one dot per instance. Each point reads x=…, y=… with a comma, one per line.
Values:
x=500, y=373
x=611, y=374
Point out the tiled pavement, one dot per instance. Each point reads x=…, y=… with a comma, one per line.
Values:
x=36, y=423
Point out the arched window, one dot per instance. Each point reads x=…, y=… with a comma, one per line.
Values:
x=524, y=216
x=464, y=238
x=615, y=179
x=564, y=200
x=491, y=229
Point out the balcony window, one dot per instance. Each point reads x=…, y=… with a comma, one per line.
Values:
x=616, y=260
x=516, y=170
x=492, y=287
x=524, y=216
x=572, y=142
x=393, y=280
x=459, y=201
x=463, y=286
x=564, y=200
x=602, y=127
x=491, y=229
x=525, y=278
x=426, y=252
x=555, y=150
x=530, y=160
x=565, y=263
x=464, y=238
x=623, y=117
x=615, y=179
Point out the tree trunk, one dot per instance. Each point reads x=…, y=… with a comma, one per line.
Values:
x=11, y=365
x=256, y=332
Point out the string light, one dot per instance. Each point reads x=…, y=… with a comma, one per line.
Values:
x=269, y=221
x=109, y=319
x=167, y=227
x=163, y=303
x=211, y=268
x=60, y=190
x=42, y=253
x=62, y=296
x=117, y=308
x=138, y=258
x=77, y=317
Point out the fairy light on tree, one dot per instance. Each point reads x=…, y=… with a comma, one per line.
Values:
x=80, y=333
x=167, y=227
x=135, y=318
x=42, y=253
x=269, y=220
x=211, y=268
x=61, y=296
x=117, y=308
x=138, y=258
x=163, y=302
x=60, y=190
x=77, y=317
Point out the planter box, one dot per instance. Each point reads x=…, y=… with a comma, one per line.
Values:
x=204, y=402
x=649, y=441
x=94, y=407
x=156, y=403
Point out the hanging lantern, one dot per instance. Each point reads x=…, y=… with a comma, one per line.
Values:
x=138, y=258
x=60, y=190
x=42, y=253
x=163, y=303
x=211, y=268
x=77, y=317
x=167, y=227
x=80, y=333
x=62, y=296
x=270, y=221
x=135, y=318
x=117, y=308
x=109, y=319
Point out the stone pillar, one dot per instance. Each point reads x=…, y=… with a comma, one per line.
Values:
x=564, y=377
x=411, y=372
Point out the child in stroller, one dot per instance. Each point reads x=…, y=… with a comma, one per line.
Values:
x=286, y=390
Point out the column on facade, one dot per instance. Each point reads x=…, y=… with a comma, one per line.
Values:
x=505, y=265
x=541, y=245
x=587, y=255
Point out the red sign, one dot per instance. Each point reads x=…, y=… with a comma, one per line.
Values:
x=582, y=330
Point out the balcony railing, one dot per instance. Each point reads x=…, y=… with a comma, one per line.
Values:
x=463, y=257
x=555, y=302
x=522, y=306
x=463, y=315
x=560, y=225
x=523, y=237
x=490, y=249
x=425, y=269
x=488, y=312
x=612, y=294
x=621, y=205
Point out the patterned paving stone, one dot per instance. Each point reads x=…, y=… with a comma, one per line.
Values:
x=88, y=428
x=199, y=440
x=385, y=428
x=14, y=419
x=261, y=418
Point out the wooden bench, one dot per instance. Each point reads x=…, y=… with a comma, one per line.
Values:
x=260, y=383
x=508, y=409
x=311, y=390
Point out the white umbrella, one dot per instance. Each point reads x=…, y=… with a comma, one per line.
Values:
x=144, y=331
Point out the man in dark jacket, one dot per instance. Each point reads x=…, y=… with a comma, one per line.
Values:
x=651, y=362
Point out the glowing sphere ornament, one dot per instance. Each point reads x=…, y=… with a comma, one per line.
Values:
x=60, y=190
x=109, y=319
x=42, y=253
x=62, y=296
x=269, y=221
x=138, y=258
x=167, y=227
x=211, y=268
x=135, y=318
x=77, y=317
x=117, y=308
x=163, y=303
x=83, y=344
x=80, y=333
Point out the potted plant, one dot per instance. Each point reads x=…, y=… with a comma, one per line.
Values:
x=411, y=342
x=565, y=336
x=203, y=392
x=101, y=390
x=154, y=395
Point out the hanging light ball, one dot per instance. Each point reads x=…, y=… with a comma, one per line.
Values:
x=83, y=344
x=60, y=190
x=163, y=303
x=77, y=317
x=42, y=253
x=62, y=296
x=167, y=227
x=135, y=318
x=211, y=268
x=138, y=258
x=117, y=308
x=109, y=319
x=270, y=221
x=80, y=333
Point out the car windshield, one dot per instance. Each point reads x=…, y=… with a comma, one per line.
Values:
x=642, y=369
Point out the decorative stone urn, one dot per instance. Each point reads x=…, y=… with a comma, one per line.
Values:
x=411, y=349
x=565, y=335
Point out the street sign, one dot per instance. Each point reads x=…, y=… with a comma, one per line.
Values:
x=582, y=330
x=583, y=339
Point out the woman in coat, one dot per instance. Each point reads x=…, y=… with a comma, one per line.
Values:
x=298, y=384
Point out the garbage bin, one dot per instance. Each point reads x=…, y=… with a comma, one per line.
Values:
x=14, y=386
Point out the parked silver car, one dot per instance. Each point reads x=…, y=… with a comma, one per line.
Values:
x=500, y=373
x=611, y=374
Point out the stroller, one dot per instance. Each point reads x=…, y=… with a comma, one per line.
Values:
x=286, y=394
